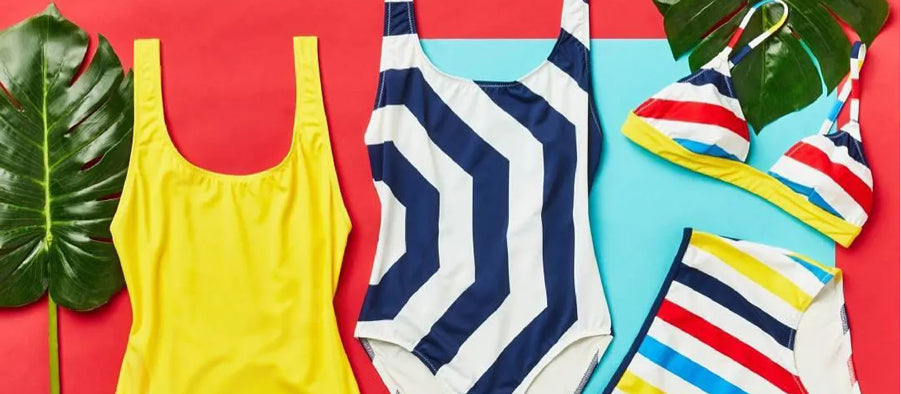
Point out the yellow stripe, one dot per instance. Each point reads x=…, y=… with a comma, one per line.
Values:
x=779, y=24
x=633, y=384
x=743, y=176
x=753, y=269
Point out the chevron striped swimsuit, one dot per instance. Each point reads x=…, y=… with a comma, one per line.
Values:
x=485, y=278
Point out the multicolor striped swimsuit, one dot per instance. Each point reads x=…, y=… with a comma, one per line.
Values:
x=698, y=123
x=740, y=317
x=485, y=278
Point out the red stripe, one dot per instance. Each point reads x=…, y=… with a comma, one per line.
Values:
x=855, y=88
x=735, y=37
x=847, y=180
x=729, y=346
x=688, y=111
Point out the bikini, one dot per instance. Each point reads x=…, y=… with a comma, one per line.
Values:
x=485, y=278
x=740, y=317
x=697, y=123
x=735, y=316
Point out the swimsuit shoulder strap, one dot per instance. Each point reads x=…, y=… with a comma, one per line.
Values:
x=574, y=20
x=399, y=19
x=399, y=36
x=309, y=108
x=744, y=50
x=148, y=97
x=850, y=89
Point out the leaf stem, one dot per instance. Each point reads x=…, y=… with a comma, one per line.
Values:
x=48, y=221
x=53, y=344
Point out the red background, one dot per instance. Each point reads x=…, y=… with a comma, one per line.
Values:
x=230, y=100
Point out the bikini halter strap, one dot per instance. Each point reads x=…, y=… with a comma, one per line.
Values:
x=851, y=88
x=743, y=51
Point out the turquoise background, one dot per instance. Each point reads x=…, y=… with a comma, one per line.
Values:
x=640, y=203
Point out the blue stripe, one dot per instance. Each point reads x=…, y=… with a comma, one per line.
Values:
x=595, y=139
x=738, y=56
x=420, y=261
x=808, y=192
x=664, y=288
x=490, y=176
x=855, y=50
x=704, y=149
x=571, y=56
x=558, y=138
x=836, y=110
x=399, y=19
x=685, y=368
x=709, y=76
x=821, y=274
x=729, y=298
x=855, y=148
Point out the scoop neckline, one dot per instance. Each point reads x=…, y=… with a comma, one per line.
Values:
x=420, y=52
x=179, y=157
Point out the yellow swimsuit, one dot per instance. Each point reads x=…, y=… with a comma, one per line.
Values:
x=232, y=277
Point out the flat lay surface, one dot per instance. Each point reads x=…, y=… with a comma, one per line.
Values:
x=229, y=92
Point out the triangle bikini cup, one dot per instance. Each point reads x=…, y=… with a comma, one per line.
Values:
x=697, y=122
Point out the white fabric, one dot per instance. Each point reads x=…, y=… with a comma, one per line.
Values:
x=457, y=269
x=753, y=292
x=393, y=232
x=728, y=321
x=822, y=349
x=827, y=188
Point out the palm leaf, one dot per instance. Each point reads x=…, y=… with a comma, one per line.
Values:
x=780, y=76
x=65, y=138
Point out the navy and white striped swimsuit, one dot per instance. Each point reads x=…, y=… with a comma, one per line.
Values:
x=485, y=278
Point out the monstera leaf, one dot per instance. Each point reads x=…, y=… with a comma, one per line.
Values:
x=780, y=76
x=65, y=137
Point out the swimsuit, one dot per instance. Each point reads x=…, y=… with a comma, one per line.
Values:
x=698, y=123
x=485, y=278
x=740, y=317
x=231, y=277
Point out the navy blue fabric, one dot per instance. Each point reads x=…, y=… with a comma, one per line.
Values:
x=490, y=176
x=710, y=76
x=571, y=56
x=738, y=56
x=399, y=18
x=855, y=148
x=420, y=261
x=855, y=50
x=595, y=138
x=558, y=139
x=378, y=90
x=726, y=296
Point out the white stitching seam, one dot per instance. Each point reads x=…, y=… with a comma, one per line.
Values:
x=410, y=18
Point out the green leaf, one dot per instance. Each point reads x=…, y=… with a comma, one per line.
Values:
x=65, y=139
x=782, y=76
x=824, y=36
x=866, y=17
x=779, y=78
x=687, y=21
x=664, y=5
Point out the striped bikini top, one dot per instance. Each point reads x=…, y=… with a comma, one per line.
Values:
x=697, y=122
x=484, y=206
